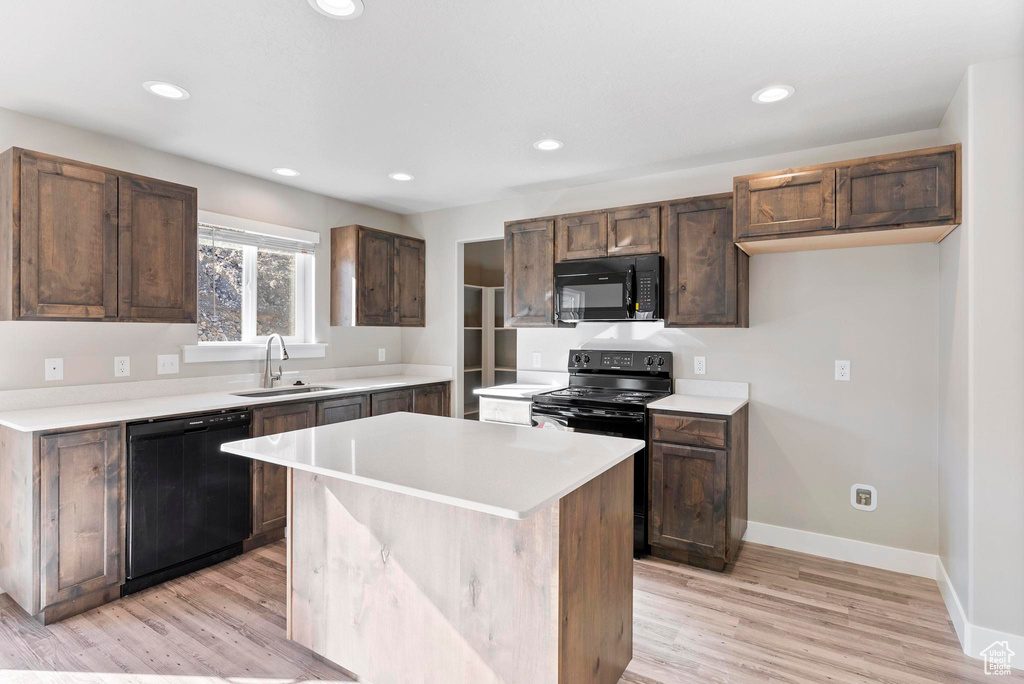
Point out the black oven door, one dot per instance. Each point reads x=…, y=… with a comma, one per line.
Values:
x=594, y=290
x=611, y=424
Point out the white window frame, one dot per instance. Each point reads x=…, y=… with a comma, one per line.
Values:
x=305, y=266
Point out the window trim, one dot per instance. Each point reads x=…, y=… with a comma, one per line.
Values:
x=305, y=267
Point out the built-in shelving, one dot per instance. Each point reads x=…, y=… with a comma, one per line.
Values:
x=489, y=348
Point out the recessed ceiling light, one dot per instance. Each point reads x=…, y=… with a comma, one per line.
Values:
x=168, y=90
x=338, y=9
x=285, y=171
x=773, y=93
x=401, y=176
x=549, y=144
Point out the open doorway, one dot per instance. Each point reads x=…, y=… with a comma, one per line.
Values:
x=488, y=347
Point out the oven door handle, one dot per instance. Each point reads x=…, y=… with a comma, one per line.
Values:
x=548, y=412
x=630, y=289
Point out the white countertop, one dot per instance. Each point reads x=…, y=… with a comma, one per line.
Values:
x=503, y=470
x=516, y=390
x=80, y=415
x=705, y=396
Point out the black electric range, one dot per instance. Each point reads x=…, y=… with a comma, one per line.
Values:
x=608, y=394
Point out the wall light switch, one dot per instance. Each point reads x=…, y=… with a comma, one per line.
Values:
x=166, y=364
x=537, y=360
x=700, y=365
x=54, y=369
x=122, y=366
x=380, y=354
x=843, y=371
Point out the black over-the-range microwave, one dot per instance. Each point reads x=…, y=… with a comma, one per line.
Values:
x=608, y=289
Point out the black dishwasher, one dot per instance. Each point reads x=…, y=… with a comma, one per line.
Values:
x=188, y=502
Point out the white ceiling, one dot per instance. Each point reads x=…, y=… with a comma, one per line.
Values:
x=456, y=92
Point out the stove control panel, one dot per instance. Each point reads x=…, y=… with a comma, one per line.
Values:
x=608, y=360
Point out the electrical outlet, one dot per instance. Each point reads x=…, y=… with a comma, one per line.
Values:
x=863, y=497
x=166, y=364
x=122, y=366
x=537, y=361
x=843, y=371
x=700, y=365
x=54, y=369
x=380, y=354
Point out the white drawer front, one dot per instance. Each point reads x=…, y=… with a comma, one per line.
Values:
x=516, y=412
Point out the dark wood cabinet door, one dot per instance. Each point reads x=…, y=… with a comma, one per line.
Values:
x=785, y=203
x=581, y=237
x=431, y=400
x=410, y=281
x=702, y=264
x=634, y=230
x=376, y=279
x=688, y=499
x=391, y=402
x=81, y=526
x=529, y=273
x=68, y=263
x=270, y=481
x=916, y=188
x=342, y=410
x=157, y=257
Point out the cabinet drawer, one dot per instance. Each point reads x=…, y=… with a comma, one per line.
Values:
x=685, y=429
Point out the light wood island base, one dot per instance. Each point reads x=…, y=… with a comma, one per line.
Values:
x=397, y=588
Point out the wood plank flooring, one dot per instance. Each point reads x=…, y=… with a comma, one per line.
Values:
x=774, y=616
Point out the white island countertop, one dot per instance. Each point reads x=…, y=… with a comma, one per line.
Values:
x=503, y=470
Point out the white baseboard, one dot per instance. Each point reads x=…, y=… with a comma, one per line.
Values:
x=973, y=638
x=840, y=548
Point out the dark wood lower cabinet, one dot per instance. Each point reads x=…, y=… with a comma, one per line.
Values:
x=342, y=410
x=432, y=400
x=269, y=481
x=81, y=514
x=391, y=402
x=698, y=487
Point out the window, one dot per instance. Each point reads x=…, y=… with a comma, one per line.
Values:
x=252, y=285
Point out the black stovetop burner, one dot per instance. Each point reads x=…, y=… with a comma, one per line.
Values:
x=624, y=378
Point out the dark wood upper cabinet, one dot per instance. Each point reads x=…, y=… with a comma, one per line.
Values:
x=634, y=230
x=897, y=190
x=68, y=236
x=887, y=199
x=410, y=277
x=83, y=242
x=270, y=481
x=529, y=273
x=157, y=252
x=581, y=236
x=706, y=275
x=785, y=203
x=377, y=278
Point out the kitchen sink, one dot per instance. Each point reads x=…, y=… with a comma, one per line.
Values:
x=282, y=392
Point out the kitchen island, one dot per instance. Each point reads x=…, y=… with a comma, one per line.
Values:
x=430, y=549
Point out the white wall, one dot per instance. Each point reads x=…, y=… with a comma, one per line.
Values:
x=996, y=347
x=88, y=348
x=952, y=369
x=810, y=437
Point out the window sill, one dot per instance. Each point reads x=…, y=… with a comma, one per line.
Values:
x=230, y=351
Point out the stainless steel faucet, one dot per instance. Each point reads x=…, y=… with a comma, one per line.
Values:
x=269, y=377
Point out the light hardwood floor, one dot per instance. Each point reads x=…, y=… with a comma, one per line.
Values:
x=775, y=616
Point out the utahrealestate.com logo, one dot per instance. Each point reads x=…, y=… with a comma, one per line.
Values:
x=997, y=658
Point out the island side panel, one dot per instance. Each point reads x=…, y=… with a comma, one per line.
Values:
x=595, y=641
x=395, y=588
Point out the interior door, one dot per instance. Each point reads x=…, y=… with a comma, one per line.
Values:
x=68, y=260
x=157, y=251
